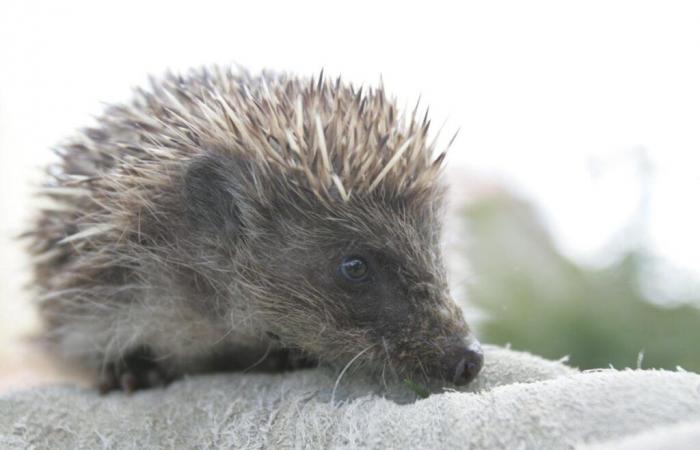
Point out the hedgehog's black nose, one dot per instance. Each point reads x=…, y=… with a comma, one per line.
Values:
x=471, y=358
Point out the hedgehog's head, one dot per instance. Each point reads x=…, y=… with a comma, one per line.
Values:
x=331, y=209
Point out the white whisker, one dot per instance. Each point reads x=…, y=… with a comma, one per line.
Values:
x=342, y=372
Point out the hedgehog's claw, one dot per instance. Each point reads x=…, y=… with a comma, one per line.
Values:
x=135, y=372
x=107, y=382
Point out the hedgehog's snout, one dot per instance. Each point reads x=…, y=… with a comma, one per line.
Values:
x=463, y=360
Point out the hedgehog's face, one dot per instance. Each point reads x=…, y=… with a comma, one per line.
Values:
x=359, y=281
x=369, y=282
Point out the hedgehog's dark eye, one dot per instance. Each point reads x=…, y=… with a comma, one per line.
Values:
x=354, y=268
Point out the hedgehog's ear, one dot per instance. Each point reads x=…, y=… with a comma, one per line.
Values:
x=213, y=198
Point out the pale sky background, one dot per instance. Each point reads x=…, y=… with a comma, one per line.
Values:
x=555, y=99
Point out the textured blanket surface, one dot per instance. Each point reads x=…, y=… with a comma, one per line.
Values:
x=518, y=401
x=683, y=436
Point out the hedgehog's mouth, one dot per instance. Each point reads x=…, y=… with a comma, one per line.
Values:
x=273, y=336
x=460, y=362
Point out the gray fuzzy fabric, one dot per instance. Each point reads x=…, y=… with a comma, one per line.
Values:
x=519, y=401
x=683, y=436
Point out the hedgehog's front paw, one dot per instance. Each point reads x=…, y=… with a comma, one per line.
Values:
x=138, y=370
x=286, y=359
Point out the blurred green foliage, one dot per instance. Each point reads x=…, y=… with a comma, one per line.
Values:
x=538, y=300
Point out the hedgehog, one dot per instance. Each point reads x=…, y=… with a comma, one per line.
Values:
x=225, y=221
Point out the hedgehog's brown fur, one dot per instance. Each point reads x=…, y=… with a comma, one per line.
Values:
x=132, y=255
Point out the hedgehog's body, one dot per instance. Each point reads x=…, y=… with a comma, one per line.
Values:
x=221, y=216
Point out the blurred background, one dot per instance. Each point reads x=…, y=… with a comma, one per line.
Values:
x=575, y=175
